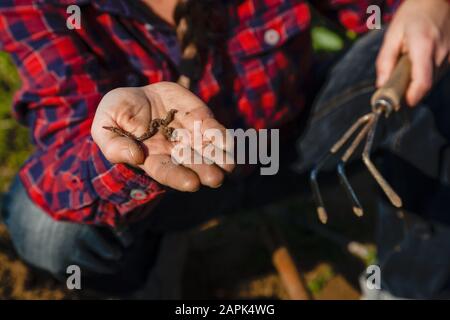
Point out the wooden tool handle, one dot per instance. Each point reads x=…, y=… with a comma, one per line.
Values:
x=395, y=88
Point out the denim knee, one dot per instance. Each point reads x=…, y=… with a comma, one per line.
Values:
x=110, y=261
x=43, y=242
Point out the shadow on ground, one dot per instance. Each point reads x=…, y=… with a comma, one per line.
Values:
x=231, y=260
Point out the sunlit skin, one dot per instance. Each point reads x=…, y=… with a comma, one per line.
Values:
x=132, y=109
x=163, y=8
x=420, y=27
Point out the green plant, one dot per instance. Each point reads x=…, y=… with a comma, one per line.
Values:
x=14, y=141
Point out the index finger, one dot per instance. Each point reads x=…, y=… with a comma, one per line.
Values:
x=422, y=62
x=388, y=56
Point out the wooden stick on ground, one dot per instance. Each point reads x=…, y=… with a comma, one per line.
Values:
x=283, y=262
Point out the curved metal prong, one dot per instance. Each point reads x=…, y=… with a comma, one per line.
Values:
x=356, y=204
x=358, y=123
x=388, y=190
x=359, y=138
x=321, y=211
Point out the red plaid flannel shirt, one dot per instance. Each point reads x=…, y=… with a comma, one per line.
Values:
x=256, y=80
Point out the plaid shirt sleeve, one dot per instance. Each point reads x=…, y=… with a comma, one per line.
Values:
x=67, y=175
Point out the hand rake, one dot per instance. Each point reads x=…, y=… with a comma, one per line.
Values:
x=384, y=101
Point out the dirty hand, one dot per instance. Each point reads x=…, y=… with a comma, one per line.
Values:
x=420, y=28
x=132, y=110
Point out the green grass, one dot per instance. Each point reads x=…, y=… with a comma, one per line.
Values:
x=317, y=284
x=14, y=141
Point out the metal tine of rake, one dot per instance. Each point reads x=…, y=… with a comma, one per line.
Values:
x=321, y=211
x=356, y=205
x=385, y=186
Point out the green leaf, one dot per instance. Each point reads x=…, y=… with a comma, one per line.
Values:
x=324, y=39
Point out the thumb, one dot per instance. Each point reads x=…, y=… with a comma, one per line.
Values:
x=117, y=148
x=123, y=150
x=124, y=109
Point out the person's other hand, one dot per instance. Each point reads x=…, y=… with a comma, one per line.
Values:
x=132, y=109
x=420, y=28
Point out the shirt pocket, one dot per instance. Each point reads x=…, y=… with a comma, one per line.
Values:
x=269, y=52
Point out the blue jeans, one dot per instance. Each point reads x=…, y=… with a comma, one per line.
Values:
x=412, y=147
x=111, y=261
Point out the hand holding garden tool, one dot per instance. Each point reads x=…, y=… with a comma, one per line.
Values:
x=385, y=100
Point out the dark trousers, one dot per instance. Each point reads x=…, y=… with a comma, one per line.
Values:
x=411, y=149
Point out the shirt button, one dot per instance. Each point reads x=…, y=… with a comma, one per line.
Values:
x=138, y=194
x=149, y=27
x=271, y=37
